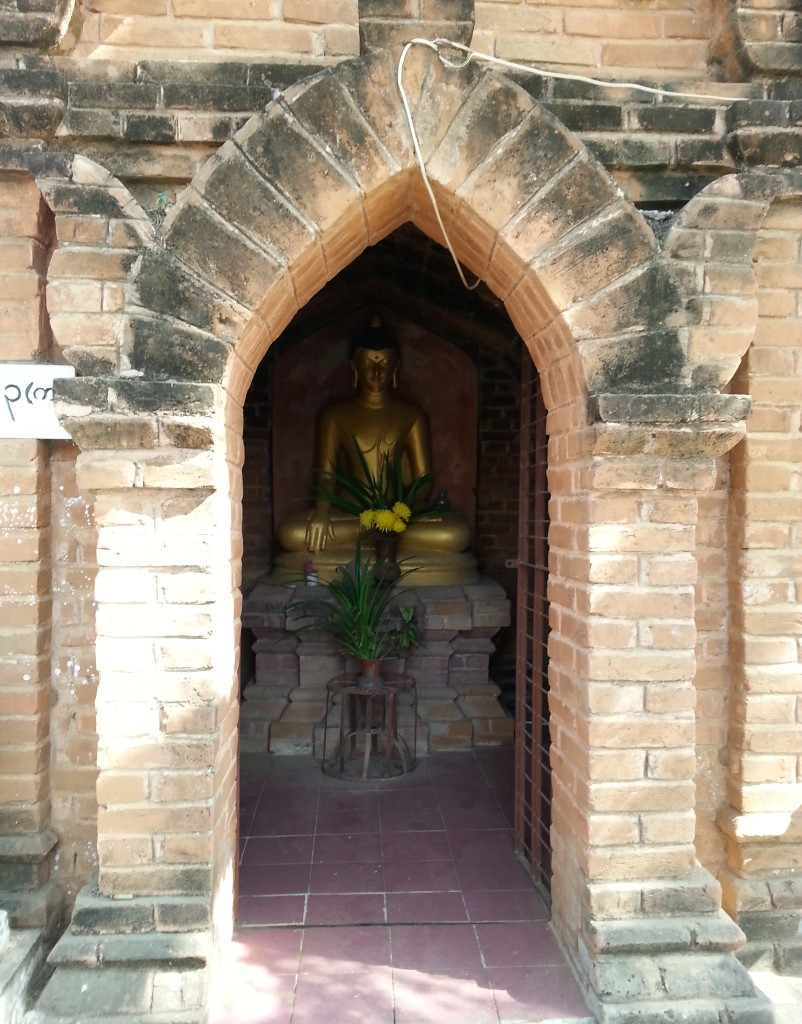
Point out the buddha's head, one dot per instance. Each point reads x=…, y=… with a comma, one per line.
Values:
x=375, y=357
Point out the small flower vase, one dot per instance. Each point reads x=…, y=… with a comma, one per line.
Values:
x=386, y=547
x=370, y=675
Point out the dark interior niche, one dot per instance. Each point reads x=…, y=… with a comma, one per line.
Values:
x=412, y=283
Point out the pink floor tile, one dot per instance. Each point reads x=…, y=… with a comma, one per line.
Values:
x=360, y=848
x=480, y=816
x=435, y=947
x=347, y=877
x=415, y=846
x=402, y=820
x=348, y=949
x=256, y=996
x=425, y=907
x=467, y=843
x=392, y=903
x=274, y=879
x=518, y=944
x=491, y=873
x=532, y=994
x=359, y=908
x=271, y=910
x=425, y=997
x=409, y=800
x=277, y=949
x=494, y=905
x=363, y=819
x=277, y=850
x=289, y=823
x=344, y=998
x=420, y=876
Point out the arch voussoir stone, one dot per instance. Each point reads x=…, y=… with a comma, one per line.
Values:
x=218, y=251
x=576, y=193
x=167, y=286
x=324, y=107
x=312, y=181
x=164, y=350
x=594, y=255
x=512, y=177
x=647, y=297
x=371, y=84
x=494, y=108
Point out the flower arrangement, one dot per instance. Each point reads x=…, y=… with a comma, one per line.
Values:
x=384, y=502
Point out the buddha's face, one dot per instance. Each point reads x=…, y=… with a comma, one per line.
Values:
x=374, y=368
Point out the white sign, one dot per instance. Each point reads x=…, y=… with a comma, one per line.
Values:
x=26, y=400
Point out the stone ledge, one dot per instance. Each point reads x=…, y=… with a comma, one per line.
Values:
x=714, y=932
x=30, y=847
x=95, y=914
x=679, y=410
x=184, y=949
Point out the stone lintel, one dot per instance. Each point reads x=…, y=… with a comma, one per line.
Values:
x=79, y=397
x=669, y=409
x=667, y=425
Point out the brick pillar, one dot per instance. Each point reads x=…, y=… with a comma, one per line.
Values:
x=26, y=839
x=168, y=549
x=639, y=916
x=763, y=823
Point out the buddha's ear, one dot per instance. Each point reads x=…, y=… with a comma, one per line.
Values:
x=354, y=375
x=395, y=374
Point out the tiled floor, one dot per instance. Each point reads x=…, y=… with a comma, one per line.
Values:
x=397, y=902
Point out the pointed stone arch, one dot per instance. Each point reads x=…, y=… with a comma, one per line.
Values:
x=328, y=169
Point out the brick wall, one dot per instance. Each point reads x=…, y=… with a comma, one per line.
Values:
x=669, y=42
x=25, y=583
x=210, y=30
x=766, y=717
x=73, y=754
x=712, y=678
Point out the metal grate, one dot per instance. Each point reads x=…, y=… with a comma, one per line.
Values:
x=532, y=765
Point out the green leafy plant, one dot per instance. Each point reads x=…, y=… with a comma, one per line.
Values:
x=383, y=501
x=356, y=611
x=408, y=636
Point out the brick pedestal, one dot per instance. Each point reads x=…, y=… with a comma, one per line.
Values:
x=284, y=706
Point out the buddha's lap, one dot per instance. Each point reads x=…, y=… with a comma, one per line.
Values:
x=428, y=533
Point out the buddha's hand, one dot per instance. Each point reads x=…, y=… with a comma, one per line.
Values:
x=319, y=532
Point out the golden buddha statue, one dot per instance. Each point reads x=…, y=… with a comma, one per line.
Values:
x=379, y=425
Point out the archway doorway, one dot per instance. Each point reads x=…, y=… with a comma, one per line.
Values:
x=411, y=279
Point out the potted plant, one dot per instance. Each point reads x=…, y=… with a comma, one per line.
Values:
x=356, y=615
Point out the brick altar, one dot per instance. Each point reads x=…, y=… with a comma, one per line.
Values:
x=284, y=704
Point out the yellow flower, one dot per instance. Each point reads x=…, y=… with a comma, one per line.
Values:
x=399, y=525
x=401, y=510
x=383, y=519
x=366, y=518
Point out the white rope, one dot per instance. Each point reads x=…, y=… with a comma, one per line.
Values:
x=438, y=44
x=419, y=154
